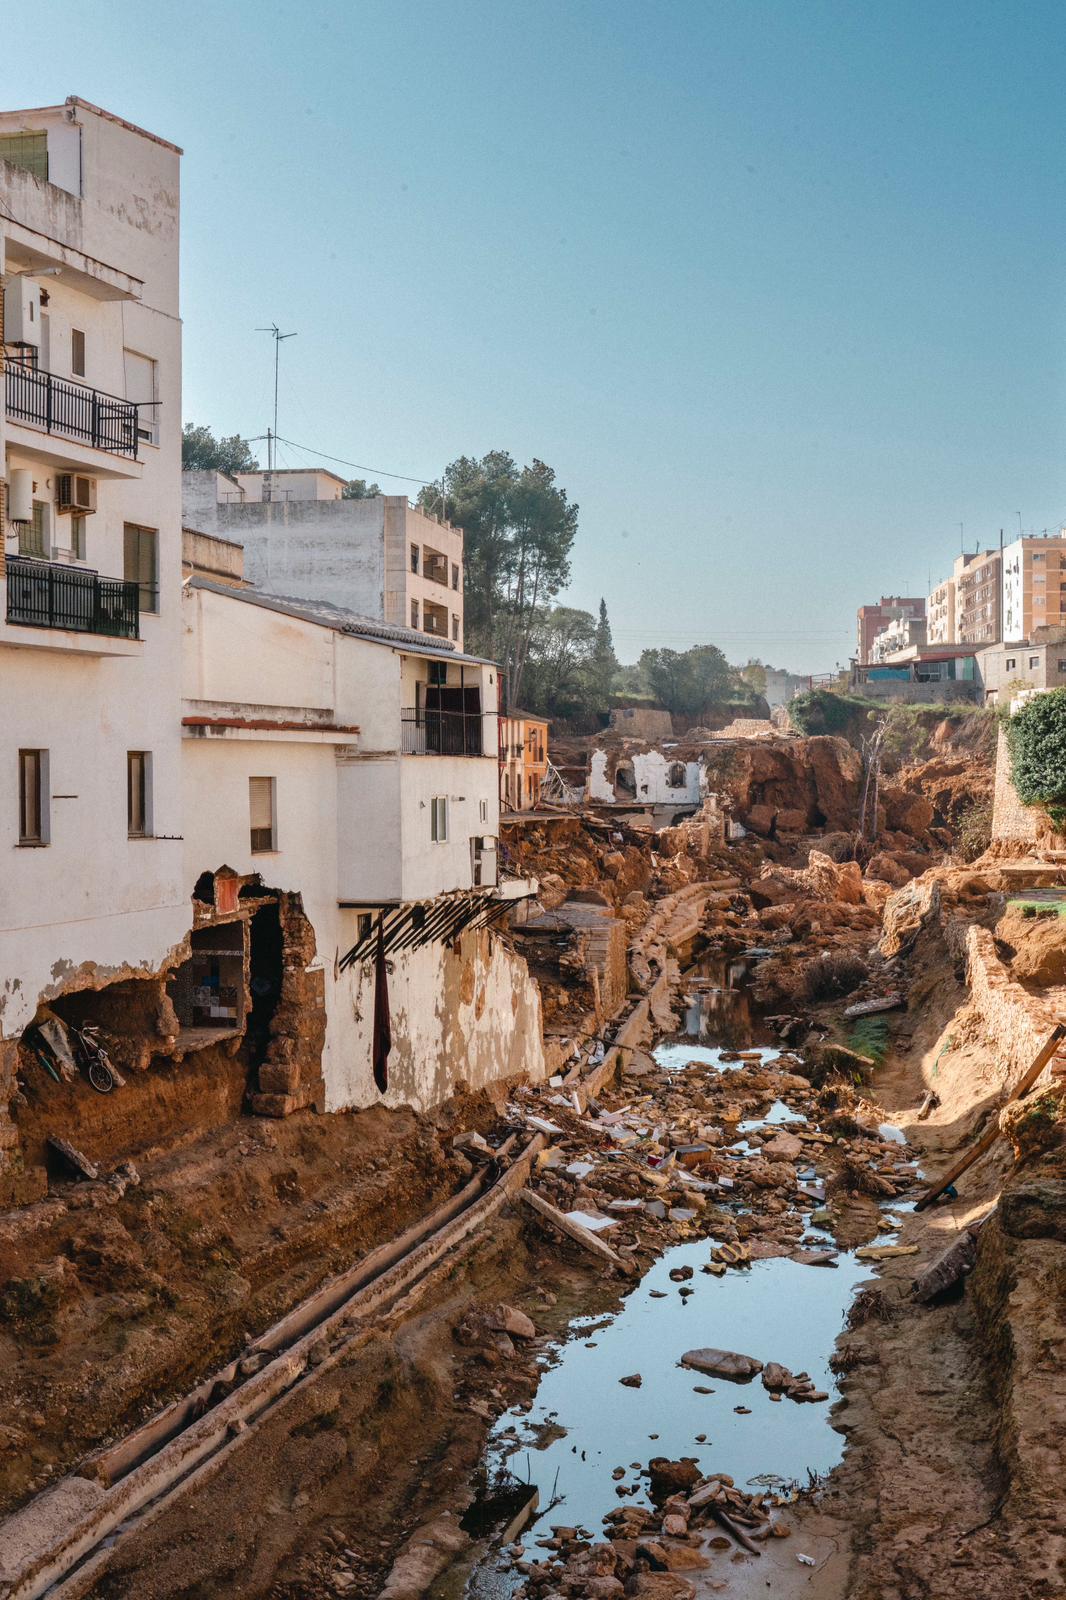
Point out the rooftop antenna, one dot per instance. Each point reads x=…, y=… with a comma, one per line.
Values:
x=1019, y=516
x=277, y=336
x=962, y=540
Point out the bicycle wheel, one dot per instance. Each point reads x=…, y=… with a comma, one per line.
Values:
x=100, y=1076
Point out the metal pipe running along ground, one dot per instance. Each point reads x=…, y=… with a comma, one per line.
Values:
x=56, y=1543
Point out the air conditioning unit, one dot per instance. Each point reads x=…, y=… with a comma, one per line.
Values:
x=75, y=493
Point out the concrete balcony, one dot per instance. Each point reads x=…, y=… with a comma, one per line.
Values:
x=50, y=606
x=70, y=425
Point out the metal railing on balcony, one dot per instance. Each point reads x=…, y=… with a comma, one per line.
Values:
x=444, y=733
x=43, y=594
x=72, y=410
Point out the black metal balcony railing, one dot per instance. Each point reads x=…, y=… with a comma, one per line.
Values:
x=71, y=409
x=443, y=733
x=43, y=594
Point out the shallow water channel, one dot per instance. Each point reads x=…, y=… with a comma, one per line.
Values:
x=583, y=1423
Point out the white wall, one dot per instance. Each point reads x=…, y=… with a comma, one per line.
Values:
x=650, y=770
x=93, y=903
x=473, y=1015
x=354, y=824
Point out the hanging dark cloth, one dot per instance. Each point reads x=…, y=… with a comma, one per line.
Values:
x=382, y=1017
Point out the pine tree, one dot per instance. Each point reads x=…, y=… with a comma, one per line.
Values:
x=604, y=665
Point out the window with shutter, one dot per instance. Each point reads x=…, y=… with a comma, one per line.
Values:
x=261, y=794
x=27, y=150
x=138, y=793
x=77, y=352
x=438, y=819
x=33, y=536
x=33, y=797
x=141, y=563
x=142, y=388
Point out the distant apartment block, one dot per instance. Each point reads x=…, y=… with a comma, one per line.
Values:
x=907, y=633
x=978, y=600
x=874, y=619
x=379, y=557
x=1034, y=579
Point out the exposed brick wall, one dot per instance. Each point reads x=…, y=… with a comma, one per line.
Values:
x=291, y=1076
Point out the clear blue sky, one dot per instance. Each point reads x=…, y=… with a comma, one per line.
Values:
x=776, y=286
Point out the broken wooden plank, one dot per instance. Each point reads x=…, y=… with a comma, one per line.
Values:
x=1044, y=1055
x=870, y=1008
x=572, y=1230
x=951, y=1264
x=733, y=1528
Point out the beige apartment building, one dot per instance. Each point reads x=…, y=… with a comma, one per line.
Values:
x=1034, y=578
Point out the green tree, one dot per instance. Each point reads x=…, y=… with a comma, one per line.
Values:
x=1036, y=738
x=359, y=489
x=559, y=671
x=754, y=675
x=202, y=452
x=519, y=528
x=687, y=682
x=603, y=668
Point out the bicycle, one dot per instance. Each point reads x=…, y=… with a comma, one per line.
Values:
x=92, y=1056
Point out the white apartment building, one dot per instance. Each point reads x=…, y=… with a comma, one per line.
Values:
x=90, y=629
x=229, y=817
x=353, y=776
x=379, y=557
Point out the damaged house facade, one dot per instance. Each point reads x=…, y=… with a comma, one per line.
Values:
x=90, y=588
x=250, y=840
x=353, y=776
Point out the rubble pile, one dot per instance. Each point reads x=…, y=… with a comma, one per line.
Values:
x=666, y=1156
x=646, y=1551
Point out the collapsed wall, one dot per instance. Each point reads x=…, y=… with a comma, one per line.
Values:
x=463, y=1014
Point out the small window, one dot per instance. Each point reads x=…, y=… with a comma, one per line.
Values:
x=676, y=776
x=1062, y=666
x=1034, y=661
x=33, y=797
x=77, y=352
x=141, y=563
x=455, y=628
x=438, y=674
x=363, y=924
x=33, y=535
x=455, y=576
x=483, y=810
x=262, y=806
x=414, y=613
x=438, y=819
x=77, y=538
x=1011, y=663
x=414, y=558
x=26, y=150
x=139, y=794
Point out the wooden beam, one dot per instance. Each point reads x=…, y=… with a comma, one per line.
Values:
x=571, y=1230
x=1047, y=1050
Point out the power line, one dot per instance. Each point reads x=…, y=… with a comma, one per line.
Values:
x=404, y=477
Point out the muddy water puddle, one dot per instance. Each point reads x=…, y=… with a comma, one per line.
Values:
x=775, y=1310
x=586, y=1436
